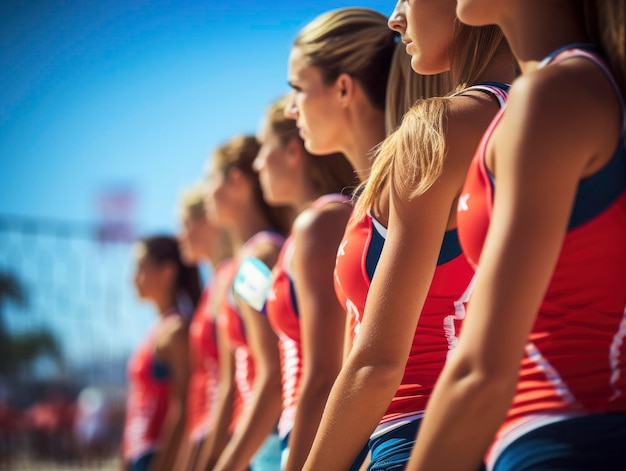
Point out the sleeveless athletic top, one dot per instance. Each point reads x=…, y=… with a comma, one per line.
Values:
x=574, y=360
x=282, y=313
x=232, y=323
x=440, y=321
x=148, y=396
x=203, y=353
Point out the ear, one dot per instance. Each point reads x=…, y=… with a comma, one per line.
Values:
x=346, y=85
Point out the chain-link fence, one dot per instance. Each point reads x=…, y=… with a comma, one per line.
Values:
x=69, y=319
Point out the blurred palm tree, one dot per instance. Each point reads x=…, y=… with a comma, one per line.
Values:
x=19, y=351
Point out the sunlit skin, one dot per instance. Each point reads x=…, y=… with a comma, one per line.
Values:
x=154, y=282
x=335, y=117
x=538, y=167
x=197, y=239
x=280, y=168
x=316, y=235
x=231, y=201
x=419, y=23
x=374, y=369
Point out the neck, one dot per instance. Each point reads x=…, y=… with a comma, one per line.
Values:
x=367, y=130
x=249, y=221
x=540, y=28
x=304, y=195
x=164, y=303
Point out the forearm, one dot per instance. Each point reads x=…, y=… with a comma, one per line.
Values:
x=259, y=419
x=311, y=402
x=216, y=440
x=461, y=420
x=170, y=441
x=357, y=402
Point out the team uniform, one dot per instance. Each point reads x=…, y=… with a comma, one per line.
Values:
x=147, y=402
x=569, y=408
x=436, y=333
x=231, y=323
x=203, y=381
x=282, y=313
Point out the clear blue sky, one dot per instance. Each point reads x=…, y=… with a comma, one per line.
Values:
x=130, y=93
x=95, y=94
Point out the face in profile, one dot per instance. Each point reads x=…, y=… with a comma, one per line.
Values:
x=276, y=165
x=196, y=237
x=426, y=28
x=218, y=190
x=315, y=106
x=150, y=278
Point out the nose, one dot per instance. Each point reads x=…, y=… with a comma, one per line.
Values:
x=397, y=20
x=291, y=110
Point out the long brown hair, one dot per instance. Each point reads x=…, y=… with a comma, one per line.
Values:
x=412, y=157
x=187, y=287
x=239, y=153
x=331, y=173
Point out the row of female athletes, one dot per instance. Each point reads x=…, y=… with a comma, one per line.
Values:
x=480, y=254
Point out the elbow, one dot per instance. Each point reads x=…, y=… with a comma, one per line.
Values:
x=377, y=370
x=484, y=386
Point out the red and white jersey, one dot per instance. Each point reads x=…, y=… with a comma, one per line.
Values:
x=204, y=362
x=232, y=324
x=439, y=324
x=575, y=359
x=148, y=396
x=282, y=313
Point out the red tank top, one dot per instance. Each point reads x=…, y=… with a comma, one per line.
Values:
x=440, y=320
x=148, y=396
x=282, y=313
x=203, y=382
x=232, y=323
x=574, y=360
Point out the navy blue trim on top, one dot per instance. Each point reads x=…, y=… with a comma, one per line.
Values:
x=450, y=247
x=600, y=190
x=294, y=300
x=374, y=251
x=160, y=370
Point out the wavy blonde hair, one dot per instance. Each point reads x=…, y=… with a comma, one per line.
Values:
x=412, y=157
x=356, y=41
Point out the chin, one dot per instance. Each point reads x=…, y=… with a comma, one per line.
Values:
x=318, y=150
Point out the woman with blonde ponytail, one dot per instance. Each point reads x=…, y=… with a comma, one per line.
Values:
x=400, y=269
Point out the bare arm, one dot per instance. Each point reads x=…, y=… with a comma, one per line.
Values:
x=173, y=348
x=376, y=364
x=261, y=413
x=218, y=437
x=322, y=321
x=538, y=170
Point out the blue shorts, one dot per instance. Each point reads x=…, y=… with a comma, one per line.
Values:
x=590, y=442
x=356, y=465
x=391, y=451
x=142, y=463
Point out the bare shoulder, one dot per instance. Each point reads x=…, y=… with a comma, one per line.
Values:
x=569, y=110
x=267, y=252
x=466, y=119
x=318, y=222
x=173, y=326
